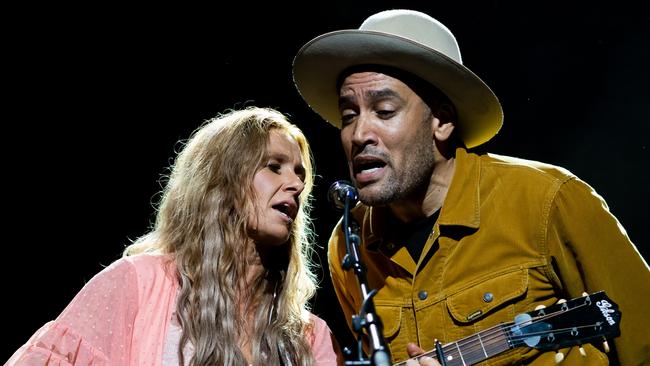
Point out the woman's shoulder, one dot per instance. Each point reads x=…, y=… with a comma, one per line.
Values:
x=316, y=320
x=141, y=274
x=323, y=343
x=148, y=266
x=144, y=267
x=147, y=261
x=319, y=327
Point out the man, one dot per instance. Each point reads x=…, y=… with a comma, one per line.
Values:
x=457, y=242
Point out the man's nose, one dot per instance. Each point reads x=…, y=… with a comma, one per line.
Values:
x=363, y=131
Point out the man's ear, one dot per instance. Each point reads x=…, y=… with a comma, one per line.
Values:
x=444, y=122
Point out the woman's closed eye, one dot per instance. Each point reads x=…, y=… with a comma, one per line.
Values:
x=274, y=167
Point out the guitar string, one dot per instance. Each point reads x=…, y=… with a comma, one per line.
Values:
x=497, y=331
x=495, y=334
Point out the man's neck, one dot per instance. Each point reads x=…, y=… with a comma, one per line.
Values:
x=434, y=196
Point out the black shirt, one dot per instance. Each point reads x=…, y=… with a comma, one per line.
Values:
x=417, y=232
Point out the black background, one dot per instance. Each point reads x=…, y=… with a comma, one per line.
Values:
x=97, y=97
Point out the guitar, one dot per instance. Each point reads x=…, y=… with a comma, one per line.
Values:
x=582, y=320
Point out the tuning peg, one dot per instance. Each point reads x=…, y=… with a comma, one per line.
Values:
x=585, y=294
x=540, y=307
x=606, y=345
x=561, y=301
x=583, y=353
x=559, y=357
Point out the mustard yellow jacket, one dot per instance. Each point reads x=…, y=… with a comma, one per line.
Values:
x=512, y=234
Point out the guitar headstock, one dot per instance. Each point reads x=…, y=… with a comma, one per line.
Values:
x=578, y=321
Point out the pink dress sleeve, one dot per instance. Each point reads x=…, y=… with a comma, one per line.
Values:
x=324, y=346
x=94, y=329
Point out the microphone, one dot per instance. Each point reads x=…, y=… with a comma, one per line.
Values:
x=339, y=190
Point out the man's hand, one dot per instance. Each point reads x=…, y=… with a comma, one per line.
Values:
x=413, y=350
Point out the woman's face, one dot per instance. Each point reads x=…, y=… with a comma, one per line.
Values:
x=277, y=188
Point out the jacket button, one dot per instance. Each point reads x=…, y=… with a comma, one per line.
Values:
x=422, y=295
x=488, y=297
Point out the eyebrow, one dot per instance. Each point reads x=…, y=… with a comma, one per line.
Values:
x=283, y=158
x=373, y=95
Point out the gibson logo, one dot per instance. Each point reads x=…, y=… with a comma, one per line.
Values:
x=604, y=307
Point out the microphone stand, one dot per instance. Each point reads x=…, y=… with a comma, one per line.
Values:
x=367, y=319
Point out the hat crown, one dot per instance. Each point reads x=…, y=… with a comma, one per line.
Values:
x=416, y=26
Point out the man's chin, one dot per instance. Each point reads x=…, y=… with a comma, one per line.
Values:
x=372, y=195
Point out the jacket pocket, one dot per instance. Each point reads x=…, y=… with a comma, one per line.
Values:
x=391, y=318
x=490, y=295
x=396, y=328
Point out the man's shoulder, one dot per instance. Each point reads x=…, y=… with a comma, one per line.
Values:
x=503, y=164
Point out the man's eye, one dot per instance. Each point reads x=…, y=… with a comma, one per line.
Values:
x=347, y=118
x=385, y=113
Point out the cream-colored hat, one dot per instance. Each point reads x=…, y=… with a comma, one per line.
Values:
x=404, y=39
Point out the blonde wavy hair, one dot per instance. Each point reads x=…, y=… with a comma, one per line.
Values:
x=202, y=221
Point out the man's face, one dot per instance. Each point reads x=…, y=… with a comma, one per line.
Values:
x=387, y=136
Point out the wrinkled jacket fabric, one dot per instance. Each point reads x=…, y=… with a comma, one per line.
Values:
x=512, y=234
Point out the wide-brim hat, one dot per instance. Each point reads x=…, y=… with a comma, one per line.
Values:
x=404, y=39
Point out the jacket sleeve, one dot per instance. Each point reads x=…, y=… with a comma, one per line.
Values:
x=94, y=329
x=592, y=252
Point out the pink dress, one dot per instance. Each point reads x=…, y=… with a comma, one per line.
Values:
x=122, y=317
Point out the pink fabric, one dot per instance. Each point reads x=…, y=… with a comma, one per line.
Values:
x=323, y=344
x=121, y=317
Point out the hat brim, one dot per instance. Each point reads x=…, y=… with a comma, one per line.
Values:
x=319, y=63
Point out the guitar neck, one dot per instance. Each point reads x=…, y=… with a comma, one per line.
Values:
x=475, y=348
x=578, y=321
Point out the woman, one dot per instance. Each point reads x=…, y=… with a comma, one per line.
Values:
x=224, y=276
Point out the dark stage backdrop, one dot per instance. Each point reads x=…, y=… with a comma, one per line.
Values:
x=97, y=98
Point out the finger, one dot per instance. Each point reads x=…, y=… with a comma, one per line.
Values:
x=413, y=350
x=428, y=361
x=412, y=362
x=424, y=361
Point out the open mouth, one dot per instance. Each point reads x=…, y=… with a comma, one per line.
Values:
x=366, y=165
x=286, y=209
